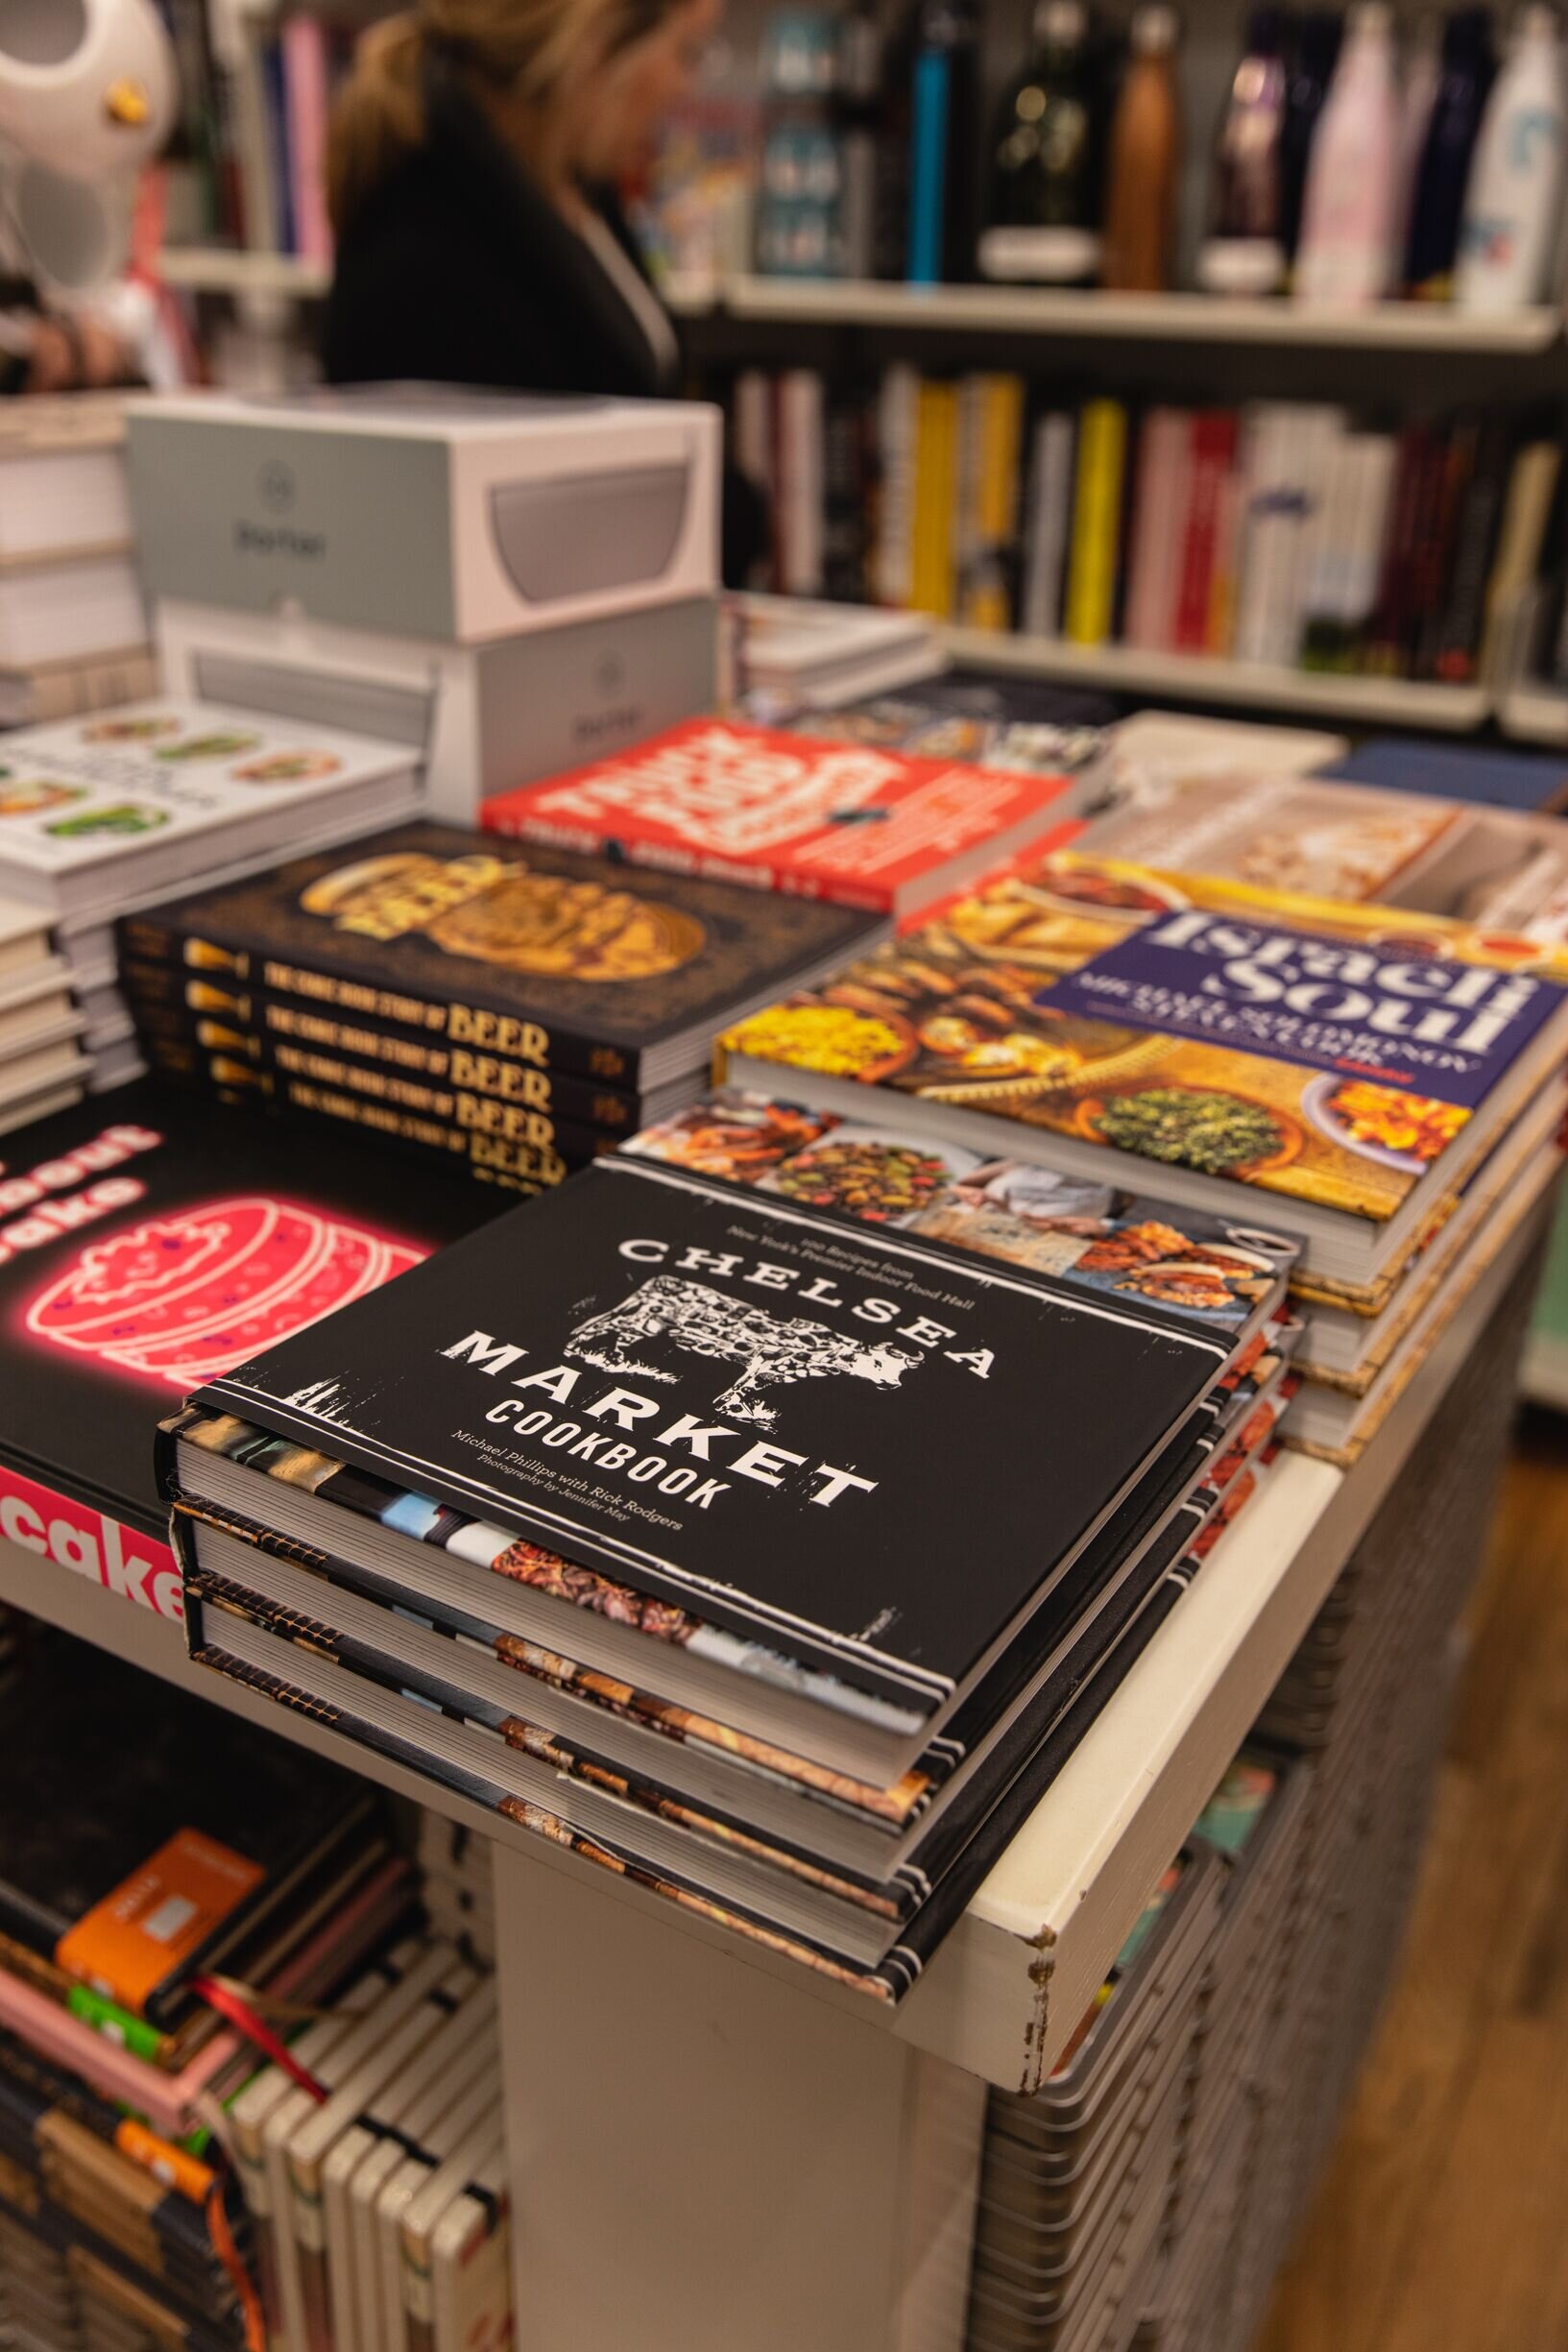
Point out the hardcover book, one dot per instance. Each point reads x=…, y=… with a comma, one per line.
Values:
x=95, y=811
x=561, y=962
x=754, y=1412
x=146, y=1245
x=857, y=823
x=1349, y=1061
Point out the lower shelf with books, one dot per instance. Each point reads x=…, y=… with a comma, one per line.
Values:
x=1187, y=677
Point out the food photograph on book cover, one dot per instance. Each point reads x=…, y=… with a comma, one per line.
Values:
x=1188, y=1023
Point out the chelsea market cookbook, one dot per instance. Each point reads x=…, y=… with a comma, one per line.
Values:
x=1345, y=1064
x=821, y=1442
x=427, y=1622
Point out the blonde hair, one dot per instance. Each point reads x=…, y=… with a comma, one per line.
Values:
x=532, y=49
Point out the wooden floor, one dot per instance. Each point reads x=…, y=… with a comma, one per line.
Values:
x=1442, y=2223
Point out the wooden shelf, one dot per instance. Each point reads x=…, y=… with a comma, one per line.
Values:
x=1534, y=715
x=1201, y=678
x=1168, y=318
x=218, y=269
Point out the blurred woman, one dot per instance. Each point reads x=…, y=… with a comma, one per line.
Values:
x=472, y=171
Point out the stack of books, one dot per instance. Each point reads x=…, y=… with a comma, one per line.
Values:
x=648, y=1515
x=42, y=1067
x=507, y=1013
x=147, y=1245
x=99, y=815
x=1388, y=1082
x=73, y=623
x=153, y=1888
x=375, y=2170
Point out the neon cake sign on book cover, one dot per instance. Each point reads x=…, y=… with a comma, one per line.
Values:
x=146, y=1245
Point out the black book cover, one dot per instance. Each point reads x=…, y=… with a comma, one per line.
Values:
x=147, y=1243
x=141, y=1763
x=566, y=961
x=870, y=1451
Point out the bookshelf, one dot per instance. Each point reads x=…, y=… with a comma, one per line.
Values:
x=1534, y=713
x=1091, y=315
x=1394, y=702
x=220, y=269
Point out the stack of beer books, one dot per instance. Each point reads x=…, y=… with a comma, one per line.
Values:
x=506, y=1011
x=1384, y=1082
x=720, y=1520
x=123, y=809
x=73, y=621
x=42, y=1067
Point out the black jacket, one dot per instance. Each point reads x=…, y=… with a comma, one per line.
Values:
x=458, y=270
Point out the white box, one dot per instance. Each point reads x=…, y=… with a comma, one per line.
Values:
x=426, y=511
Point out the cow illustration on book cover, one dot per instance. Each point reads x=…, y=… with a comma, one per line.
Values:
x=770, y=1350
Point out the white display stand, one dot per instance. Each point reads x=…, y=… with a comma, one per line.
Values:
x=712, y=2151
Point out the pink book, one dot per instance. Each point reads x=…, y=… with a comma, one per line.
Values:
x=306, y=99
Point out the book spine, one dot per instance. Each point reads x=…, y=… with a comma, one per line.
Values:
x=1458, y=639
x=1532, y=487
x=274, y=97
x=1050, y=506
x=1147, y=537
x=1385, y=637
x=753, y=455
x=800, y=457
x=306, y=106
x=897, y=433
x=488, y=1153
x=1372, y=520
x=199, y=1045
x=936, y=460
x=847, y=499
x=1213, y=445
x=167, y=1000
x=1458, y=471
x=458, y=1022
x=1091, y=587
x=1235, y=493
x=968, y=433
x=1000, y=457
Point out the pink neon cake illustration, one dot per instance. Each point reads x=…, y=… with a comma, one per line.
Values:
x=185, y=1297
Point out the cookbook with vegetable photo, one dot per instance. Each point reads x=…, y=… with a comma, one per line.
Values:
x=1352, y=1060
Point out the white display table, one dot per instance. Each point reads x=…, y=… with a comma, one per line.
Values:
x=714, y=2153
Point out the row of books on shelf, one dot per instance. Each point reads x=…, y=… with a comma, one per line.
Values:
x=249, y=2080
x=1284, y=533
x=252, y=145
